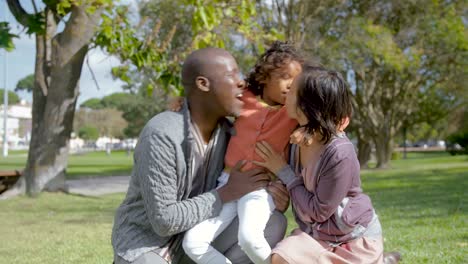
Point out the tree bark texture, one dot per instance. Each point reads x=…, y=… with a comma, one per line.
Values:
x=59, y=61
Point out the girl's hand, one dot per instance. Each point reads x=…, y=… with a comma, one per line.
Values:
x=301, y=137
x=272, y=161
x=174, y=104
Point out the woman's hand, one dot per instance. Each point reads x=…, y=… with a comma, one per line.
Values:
x=272, y=161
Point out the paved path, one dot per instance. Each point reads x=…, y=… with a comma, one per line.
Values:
x=99, y=186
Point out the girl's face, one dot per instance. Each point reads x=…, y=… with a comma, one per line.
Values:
x=279, y=82
x=291, y=104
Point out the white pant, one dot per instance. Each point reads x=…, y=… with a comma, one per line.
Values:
x=254, y=210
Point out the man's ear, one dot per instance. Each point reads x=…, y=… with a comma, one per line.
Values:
x=203, y=83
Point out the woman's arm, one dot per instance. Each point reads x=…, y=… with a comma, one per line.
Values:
x=332, y=188
x=333, y=184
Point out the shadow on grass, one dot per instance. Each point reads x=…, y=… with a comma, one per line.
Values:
x=100, y=173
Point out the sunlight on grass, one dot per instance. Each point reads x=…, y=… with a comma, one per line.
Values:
x=421, y=202
x=57, y=228
x=83, y=165
x=422, y=205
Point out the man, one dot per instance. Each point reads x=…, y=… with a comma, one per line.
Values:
x=176, y=164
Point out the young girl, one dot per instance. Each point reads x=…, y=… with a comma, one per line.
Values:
x=337, y=223
x=263, y=118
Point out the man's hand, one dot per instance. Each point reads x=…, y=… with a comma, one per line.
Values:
x=280, y=195
x=241, y=183
x=272, y=161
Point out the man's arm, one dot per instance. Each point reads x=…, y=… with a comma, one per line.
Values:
x=156, y=172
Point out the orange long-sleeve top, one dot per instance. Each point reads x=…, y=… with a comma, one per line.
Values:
x=257, y=122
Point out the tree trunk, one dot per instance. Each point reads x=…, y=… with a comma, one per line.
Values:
x=48, y=153
x=383, y=149
x=59, y=61
x=364, y=152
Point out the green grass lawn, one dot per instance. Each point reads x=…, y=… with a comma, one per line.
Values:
x=90, y=164
x=421, y=201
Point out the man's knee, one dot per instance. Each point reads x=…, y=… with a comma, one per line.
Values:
x=146, y=258
x=275, y=228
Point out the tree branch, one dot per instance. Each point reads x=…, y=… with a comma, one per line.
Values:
x=92, y=73
x=81, y=28
x=34, y=5
x=19, y=13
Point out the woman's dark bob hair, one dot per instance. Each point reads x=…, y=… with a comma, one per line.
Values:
x=325, y=99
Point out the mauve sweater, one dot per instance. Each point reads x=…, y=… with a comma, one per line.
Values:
x=328, y=202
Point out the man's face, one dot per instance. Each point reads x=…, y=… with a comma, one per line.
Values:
x=227, y=86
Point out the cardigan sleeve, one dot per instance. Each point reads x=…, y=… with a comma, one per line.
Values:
x=156, y=171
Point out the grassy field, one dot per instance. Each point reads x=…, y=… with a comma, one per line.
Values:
x=422, y=204
x=80, y=165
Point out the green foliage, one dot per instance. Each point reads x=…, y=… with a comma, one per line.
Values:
x=88, y=133
x=136, y=109
x=118, y=101
x=138, y=114
x=25, y=84
x=396, y=155
x=211, y=17
x=137, y=51
x=13, y=98
x=6, y=38
x=405, y=62
x=107, y=121
x=457, y=143
x=156, y=47
x=36, y=24
x=93, y=103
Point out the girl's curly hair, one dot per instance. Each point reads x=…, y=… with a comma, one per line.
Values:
x=275, y=57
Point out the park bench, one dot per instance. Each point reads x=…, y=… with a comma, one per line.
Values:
x=8, y=179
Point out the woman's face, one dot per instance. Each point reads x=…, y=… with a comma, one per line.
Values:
x=291, y=104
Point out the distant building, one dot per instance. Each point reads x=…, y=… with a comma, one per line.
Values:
x=19, y=124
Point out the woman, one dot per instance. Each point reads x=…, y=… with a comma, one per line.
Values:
x=337, y=222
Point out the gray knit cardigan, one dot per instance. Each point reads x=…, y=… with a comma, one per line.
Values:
x=157, y=208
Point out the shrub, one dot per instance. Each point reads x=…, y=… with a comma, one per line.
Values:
x=396, y=155
x=457, y=143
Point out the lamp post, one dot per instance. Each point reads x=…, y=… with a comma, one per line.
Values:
x=5, y=98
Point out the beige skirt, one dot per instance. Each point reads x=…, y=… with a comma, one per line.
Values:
x=301, y=248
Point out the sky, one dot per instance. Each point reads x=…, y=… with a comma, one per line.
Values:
x=19, y=63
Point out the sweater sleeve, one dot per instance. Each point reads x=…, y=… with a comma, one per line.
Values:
x=332, y=187
x=157, y=174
